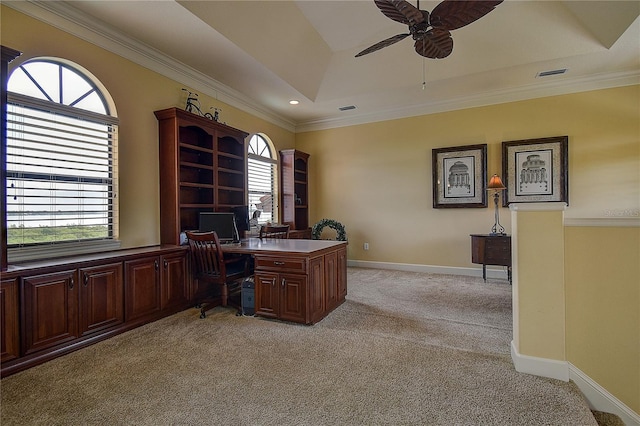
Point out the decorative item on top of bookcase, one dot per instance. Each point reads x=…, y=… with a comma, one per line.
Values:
x=193, y=106
x=536, y=170
x=459, y=174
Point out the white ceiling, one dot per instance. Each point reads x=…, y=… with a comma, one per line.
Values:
x=260, y=54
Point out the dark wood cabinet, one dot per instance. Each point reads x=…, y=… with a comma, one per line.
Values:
x=50, y=310
x=491, y=250
x=54, y=306
x=281, y=296
x=9, y=318
x=174, y=292
x=300, y=286
x=154, y=284
x=142, y=277
x=203, y=168
x=101, y=298
x=294, y=194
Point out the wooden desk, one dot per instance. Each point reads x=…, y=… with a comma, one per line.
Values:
x=491, y=250
x=296, y=280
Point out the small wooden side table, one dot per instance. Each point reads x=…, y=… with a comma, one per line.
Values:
x=491, y=250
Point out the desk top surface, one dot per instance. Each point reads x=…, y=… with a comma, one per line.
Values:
x=276, y=246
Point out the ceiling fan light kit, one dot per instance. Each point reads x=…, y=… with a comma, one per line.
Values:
x=431, y=32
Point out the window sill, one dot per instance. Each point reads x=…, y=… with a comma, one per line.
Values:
x=24, y=254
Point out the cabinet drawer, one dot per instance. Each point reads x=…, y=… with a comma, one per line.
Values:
x=280, y=264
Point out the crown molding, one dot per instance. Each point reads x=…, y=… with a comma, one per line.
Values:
x=563, y=86
x=68, y=19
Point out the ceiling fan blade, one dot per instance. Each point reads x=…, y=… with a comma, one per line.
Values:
x=400, y=11
x=436, y=44
x=384, y=43
x=454, y=14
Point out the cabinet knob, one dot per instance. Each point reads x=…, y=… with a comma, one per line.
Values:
x=86, y=279
x=71, y=283
x=278, y=263
x=283, y=282
x=155, y=265
x=166, y=264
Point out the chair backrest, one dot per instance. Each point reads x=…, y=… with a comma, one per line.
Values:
x=274, y=231
x=206, y=253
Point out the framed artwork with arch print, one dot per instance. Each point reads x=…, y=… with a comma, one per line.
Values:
x=460, y=176
x=536, y=170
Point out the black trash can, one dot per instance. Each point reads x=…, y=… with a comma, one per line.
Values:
x=248, y=294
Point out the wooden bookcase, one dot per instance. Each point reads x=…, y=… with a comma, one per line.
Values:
x=294, y=178
x=203, y=168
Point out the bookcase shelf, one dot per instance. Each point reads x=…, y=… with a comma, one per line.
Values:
x=294, y=195
x=203, y=167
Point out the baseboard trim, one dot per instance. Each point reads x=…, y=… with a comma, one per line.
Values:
x=432, y=269
x=544, y=367
x=600, y=399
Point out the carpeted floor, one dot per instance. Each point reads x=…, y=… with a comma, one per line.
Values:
x=404, y=349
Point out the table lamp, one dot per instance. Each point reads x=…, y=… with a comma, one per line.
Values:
x=496, y=185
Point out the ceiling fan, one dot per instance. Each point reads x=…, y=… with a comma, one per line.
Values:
x=431, y=32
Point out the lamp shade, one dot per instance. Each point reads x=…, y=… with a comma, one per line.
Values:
x=495, y=183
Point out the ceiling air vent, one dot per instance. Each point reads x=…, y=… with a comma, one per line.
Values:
x=347, y=108
x=552, y=72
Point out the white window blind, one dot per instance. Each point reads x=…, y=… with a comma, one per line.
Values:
x=261, y=179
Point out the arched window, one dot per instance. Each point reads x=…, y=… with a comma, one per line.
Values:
x=61, y=158
x=262, y=176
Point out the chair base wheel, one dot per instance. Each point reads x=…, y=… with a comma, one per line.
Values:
x=203, y=315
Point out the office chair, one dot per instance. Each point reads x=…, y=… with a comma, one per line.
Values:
x=226, y=273
x=274, y=231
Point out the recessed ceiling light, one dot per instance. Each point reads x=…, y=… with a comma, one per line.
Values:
x=294, y=102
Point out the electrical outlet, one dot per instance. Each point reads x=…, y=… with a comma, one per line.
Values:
x=366, y=246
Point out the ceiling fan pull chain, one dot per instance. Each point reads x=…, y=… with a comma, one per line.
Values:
x=424, y=73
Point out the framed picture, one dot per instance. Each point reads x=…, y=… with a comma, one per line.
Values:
x=536, y=170
x=459, y=176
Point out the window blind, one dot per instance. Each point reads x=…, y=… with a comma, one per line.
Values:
x=260, y=179
x=61, y=173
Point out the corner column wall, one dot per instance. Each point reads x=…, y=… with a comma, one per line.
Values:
x=538, y=345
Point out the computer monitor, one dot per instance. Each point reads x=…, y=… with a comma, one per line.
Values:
x=223, y=223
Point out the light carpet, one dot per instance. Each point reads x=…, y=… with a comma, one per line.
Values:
x=404, y=349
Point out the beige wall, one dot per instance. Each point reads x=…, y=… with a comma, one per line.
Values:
x=376, y=179
x=137, y=92
x=603, y=307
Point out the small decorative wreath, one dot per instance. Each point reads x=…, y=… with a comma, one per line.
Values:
x=316, y=231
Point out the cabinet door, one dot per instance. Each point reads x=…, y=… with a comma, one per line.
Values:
x=175, y=291
x=267, y=294
x=342, y=275
x=9, y=319
x=331, y=280
x=293, y=298
x=317, y=288
x=142, y=287
x=101, y=298
x=50, y=310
